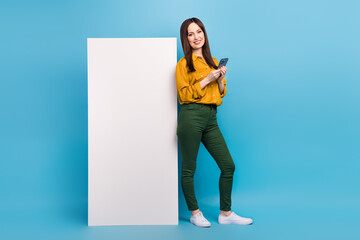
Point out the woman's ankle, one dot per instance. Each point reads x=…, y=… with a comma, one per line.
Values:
x=195, y=211
x=225, y=213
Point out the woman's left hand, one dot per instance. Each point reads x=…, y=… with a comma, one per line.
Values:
x=223, y=73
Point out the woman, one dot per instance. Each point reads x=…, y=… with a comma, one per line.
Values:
x=200, y=88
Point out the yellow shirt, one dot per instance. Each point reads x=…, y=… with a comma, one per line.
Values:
x=188, y=84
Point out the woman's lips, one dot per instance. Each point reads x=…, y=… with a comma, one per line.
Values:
x=198, y=42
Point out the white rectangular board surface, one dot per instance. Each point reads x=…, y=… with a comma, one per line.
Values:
x=132, y=142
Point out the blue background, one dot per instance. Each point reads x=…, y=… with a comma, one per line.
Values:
x=291, y=116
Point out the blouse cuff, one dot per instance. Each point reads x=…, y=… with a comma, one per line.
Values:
x=198, y=93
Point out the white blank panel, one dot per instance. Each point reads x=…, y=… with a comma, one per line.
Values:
x=132, y=142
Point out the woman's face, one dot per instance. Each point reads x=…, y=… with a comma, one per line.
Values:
x=195, y=36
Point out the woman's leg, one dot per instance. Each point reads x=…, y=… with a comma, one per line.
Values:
x=189, y=147
x=214, y=142
x=191, y=123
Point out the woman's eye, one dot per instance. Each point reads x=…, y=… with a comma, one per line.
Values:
x=191, y=34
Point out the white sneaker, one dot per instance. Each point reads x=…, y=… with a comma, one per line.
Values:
x=233, y=218
x=199, y=220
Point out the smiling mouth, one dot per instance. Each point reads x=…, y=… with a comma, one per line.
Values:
x=197, y=42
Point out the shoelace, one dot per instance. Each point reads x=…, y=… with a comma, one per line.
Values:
x=202, y=218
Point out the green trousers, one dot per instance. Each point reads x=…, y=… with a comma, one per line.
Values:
x=197, y=123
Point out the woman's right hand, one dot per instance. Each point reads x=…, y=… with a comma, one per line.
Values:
x=214, y=75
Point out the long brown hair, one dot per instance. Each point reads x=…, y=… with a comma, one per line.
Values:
x=188, y=49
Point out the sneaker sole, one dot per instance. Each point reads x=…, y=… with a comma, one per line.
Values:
x=200, y=226
x=236, y=223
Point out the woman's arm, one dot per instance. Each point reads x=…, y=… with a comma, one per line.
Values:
x=187, y=91
x=204, y=82
x=221, y=86
x=222, y=82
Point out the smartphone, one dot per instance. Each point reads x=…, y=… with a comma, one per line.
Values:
x=222, y=62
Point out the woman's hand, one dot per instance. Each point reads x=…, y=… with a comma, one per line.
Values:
x=217, y=74
x=223, y=73
x=213, y=75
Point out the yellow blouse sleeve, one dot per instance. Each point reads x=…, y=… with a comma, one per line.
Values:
x=223, y=80
x=186, y=90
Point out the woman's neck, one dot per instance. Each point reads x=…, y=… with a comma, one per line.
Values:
x=198, y=52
